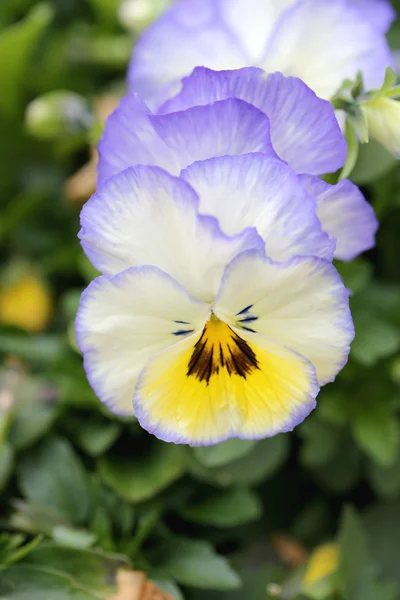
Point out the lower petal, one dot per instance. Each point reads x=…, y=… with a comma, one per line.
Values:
x=222, y=384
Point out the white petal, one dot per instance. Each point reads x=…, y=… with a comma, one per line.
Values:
x=146, y=216
x=301, y=304
x=123, y=321
x=325, y=43
x=257, y=191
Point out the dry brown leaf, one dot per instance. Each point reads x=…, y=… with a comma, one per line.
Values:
x=133, y=585
x=290, y=551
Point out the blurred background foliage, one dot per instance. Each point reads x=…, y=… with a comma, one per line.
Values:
x=84, y=494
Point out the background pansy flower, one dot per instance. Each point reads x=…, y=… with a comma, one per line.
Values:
x=233, y=113
x=323, y=42
x=198, y=332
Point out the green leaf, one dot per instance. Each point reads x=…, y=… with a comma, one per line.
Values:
x=227, y=508
x=93, y=435
x=221, y=454
x=355, y=274
x=195, y=563
x=6, y=464
x=376, y=430
x=137, y=478
x=261, y=463
x=356, y=567
x=92, y=568
x=375, y=339
x=32, y=421
x=385, y=480
x=73, y=538
x=17, y=43
x=342, y=472
x=20, y=582
x=52, y=475
x=320, y=442
x=383, y=525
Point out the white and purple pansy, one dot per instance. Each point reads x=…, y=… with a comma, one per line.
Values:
x=202, y=334
x=323, y=42
x=238, y=113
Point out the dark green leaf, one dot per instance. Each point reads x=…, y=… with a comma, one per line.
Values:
x=21, y=582
x=137, y=478
x=52, y=475
x=6, y=464
x=227, y=508
x=221, y=454
x=376, y=430
x=195, y=563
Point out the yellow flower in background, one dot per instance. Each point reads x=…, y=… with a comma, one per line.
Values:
x=25, y=303
x=324, y=561
x=383, y=118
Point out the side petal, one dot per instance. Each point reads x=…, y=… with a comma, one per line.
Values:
x=304, y=130
x=129, y=139
x=301, y=304
x=324, y=43
x=226, y=128
x=380, y=13
x=247, y=387
x=145, y=216
x=257, y=191
x=189, y=34
x=345, y=215
x=123, y=320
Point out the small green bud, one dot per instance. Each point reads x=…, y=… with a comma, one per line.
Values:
x=58, y=114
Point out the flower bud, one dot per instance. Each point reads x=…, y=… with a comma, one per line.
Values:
x=57, y=114
x=383, y=118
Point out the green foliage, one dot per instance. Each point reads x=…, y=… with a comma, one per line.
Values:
x=84, y=493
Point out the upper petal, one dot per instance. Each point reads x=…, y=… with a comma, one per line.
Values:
x=134, y=136
x=380, y=13
x=304, y=130
x=301, y=304
x=145, y=216
x=254, y=190
x=124, y=320
x=345, y=215
x=324, y=43
x=188, y=34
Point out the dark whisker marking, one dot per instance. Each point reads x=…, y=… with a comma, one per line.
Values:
x=248, y=319
x=221, y=356
x=182, y=322
x=245, y=310
x=238, y=368
x=183, y=331
x=249, y=329
x=198, y=351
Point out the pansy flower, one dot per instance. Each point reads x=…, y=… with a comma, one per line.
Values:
x=231, y=113
x=208, y=334
x=323, y=42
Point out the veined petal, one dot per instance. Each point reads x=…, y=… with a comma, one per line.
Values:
x=325, y=43
x=257, y=191
x=189, y=34
x=345, y=215
x=253, y=22
x=301, y=304
x=304, y=130
x=145, y=216
x=133, y=136
x=129, y=139
x=124, y=320
x=229, y=127
x=223, y=384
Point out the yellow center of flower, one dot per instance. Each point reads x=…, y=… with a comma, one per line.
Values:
x=219, y=347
